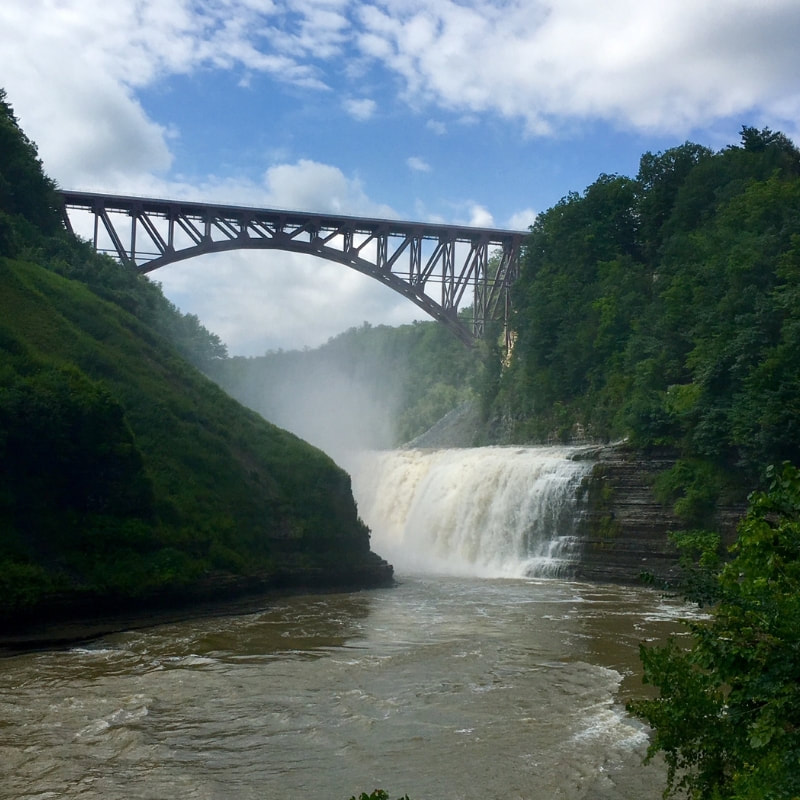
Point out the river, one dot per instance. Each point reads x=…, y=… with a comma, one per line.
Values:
x=470, y=682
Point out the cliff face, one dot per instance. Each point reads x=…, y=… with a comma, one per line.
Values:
x=624, y=530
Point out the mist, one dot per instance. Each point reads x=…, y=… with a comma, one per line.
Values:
x=323, y=403
x=370, y=388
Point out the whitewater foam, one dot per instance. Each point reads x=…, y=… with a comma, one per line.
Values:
x=487, y=512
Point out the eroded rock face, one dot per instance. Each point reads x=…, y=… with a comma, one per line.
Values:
x=624, y=530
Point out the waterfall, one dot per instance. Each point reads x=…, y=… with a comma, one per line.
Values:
x=485, y=511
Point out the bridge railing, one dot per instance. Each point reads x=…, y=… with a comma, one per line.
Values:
x=441, y=268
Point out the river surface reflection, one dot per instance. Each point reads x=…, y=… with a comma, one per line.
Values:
x=442, y=687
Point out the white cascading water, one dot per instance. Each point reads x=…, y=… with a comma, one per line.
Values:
x=487, y=512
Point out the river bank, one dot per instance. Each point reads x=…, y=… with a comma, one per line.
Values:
x=67, y=620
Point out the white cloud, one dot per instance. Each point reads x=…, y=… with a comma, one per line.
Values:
x=310, y=186
x=663, y=66
x=260, y=300
x=418, y=164
x=522, y=220
x=72, y=70
x=480, y=217
x=316, y=29
x=360, y=109
x=439, y=128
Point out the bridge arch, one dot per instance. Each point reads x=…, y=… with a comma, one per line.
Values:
x=411, y=258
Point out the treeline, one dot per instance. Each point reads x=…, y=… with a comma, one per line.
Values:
x=126, y=476
x=666, y=309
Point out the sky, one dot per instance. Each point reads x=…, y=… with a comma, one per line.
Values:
x=478, y=112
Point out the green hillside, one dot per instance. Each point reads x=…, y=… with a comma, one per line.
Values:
x=127, y=476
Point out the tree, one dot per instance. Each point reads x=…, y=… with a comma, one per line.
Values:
x=28, y=198
x=660, y=178
x=727, y=718
x=582, y=286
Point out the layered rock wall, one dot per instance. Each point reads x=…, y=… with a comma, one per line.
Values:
x=623, y=529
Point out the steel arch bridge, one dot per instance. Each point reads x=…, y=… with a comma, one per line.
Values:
x=432, y=265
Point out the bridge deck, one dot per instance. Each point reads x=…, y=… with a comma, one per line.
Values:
x=147, y=233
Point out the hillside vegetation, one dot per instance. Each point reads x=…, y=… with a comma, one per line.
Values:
x=127, y=476
x=666, y=309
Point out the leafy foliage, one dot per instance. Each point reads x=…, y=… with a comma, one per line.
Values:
x=700, y=559
x=28, y=200
x=727, y=718
x=665, y=309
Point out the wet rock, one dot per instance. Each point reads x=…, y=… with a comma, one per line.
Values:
x=623, y=529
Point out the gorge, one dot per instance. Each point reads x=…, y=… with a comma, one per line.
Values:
x=487, y=670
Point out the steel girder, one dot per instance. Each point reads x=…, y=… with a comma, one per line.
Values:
x=409, y=257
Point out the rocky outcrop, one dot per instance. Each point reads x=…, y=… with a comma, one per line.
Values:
x=623, y=529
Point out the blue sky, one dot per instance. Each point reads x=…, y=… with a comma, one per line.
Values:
x=474, y=112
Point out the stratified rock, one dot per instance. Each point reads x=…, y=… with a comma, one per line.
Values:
x=623, y=529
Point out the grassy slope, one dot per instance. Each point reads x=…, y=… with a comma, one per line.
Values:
x=230, y=492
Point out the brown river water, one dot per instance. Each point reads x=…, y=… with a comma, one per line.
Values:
x=467, y=686
x=441, y=687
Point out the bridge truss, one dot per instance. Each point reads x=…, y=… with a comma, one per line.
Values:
x=438, y=267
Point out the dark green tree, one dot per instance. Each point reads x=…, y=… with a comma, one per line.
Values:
x=660, y=178
x=665, y=310
x=29, y=204
x=727, y=717
x=581, y=288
